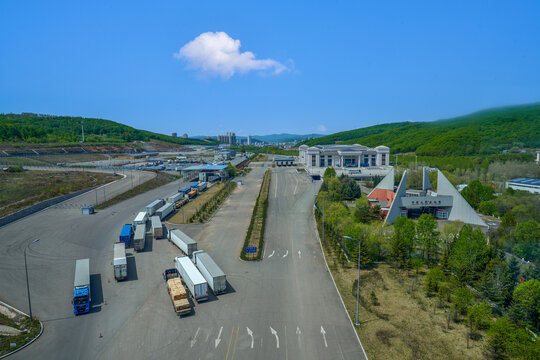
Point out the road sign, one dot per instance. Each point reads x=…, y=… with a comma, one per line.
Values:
x=251, y=250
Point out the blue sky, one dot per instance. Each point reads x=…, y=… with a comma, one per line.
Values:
x=318, y=66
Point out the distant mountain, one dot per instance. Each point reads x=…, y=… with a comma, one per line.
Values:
x=484, y=132
x=35, y=128
x=281, y=138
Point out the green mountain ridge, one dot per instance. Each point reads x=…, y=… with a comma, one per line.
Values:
x=37, y=129
x=483, y=132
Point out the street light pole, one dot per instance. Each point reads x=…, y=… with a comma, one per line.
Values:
x=27, y=284
x=357, y=281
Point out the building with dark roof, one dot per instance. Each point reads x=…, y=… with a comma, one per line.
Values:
x=526, y=184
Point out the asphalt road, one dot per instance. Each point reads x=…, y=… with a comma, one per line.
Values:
x=283, y=307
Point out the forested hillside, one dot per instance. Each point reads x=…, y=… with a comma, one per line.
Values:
x=34, y=128
x=484, y=132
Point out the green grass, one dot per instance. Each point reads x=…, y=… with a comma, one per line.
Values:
x=160, y=180
x=33, y=328
x=24, y=189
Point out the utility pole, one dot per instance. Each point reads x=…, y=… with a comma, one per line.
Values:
x=82, y=130
x=357, y=281
x=27, y=284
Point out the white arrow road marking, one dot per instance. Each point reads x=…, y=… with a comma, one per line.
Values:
x=250, y=333
x=287, y=253
x=299, y=254
x=272, y=254
x=207, y=336
x=274, y=332
x=195, y=337
x=218, y=340
x=324, y=336
x=298, y=332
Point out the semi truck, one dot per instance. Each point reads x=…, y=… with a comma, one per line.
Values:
x=157, y=227
x=81, y=287
x=177, y=292
x=192, y=193
x=201, y=187
x=184, y=242
x=120, y=261
x=181, y=203
x=174, y=198
x=139, y=239
x=141, y=218
x=126, y=233
x=165, y=210
x=210, y=271
x=153, y=206
x=195, y=282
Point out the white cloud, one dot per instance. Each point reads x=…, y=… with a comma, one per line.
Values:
x=219, y=54
x=321, y=129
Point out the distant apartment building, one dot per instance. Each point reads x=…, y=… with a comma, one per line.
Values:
x=343, y=156
x=249, y=139
x=229, y=138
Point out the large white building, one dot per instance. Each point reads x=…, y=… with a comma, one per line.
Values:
x=343, y=156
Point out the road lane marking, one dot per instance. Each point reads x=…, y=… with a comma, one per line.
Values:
x=298, y=333
x=272, y=254
x=296, y=187
x=218, y=340
x=235, y=343
x=286, y=253
x=275, y=193
x=274, y=332
x=324, y=336
x=250, y=333
x=230, y=341
x=299, y=254
x=207, y=336
x=194, y=340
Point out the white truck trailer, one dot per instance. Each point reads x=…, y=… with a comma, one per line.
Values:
x=139, y=239
x=153, y=206
x=165, y=210
x=201, y=187
x=157, y=227
x=184, y=242
x=120, y=261
x=210, y=271
x=174, y=198
x=195, y=282
x=141, y=218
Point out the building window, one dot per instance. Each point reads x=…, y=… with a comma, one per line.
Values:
x=373, y=160
x=313, y=160
x=321, y=161
x=366, y=160
x=329, y=161
x=383, y=159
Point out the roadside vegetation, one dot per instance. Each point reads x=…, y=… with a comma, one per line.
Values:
x=258, y=158
x=20, y=189
x=201, y=208
x=255, y=233
x=29, y=330
x=160, y=180
x=448, y=285
x=51, y=160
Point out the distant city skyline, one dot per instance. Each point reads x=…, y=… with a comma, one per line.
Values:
x=216, y=67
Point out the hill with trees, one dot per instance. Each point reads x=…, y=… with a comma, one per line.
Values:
x=52, y=129
x=484, y=132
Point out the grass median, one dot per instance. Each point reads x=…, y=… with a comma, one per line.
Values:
x=160, y=180
x=255, y=233
x=23, y=330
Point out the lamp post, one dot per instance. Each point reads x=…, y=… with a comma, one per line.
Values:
x=316, y=195
x=358, y=281
x=27, y=284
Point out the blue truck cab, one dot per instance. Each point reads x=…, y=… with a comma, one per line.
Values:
x=81, y=287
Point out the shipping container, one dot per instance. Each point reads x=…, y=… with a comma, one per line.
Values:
x=165, y=210
x=126, y=234
x=141, y=218
x=201, y=187
x=195, y=282
x=120, y=261
x=157, y=227
x=175, y=198
x=139, y=239
x=210, y=271
x=184, y=242
x=153, y=206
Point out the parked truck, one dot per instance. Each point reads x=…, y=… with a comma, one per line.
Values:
x=120, y=261
x=81, y=287
x=157, y=227
x=177, y=292
x=153, y=206
x=201, y=187
x=139, y=240
x=192, y=193
x=181, y=203
x=210, y=271
x=126, y=234
x=141, y=218
x=165, y=210
x=174, y=198
x=195, y=282
x=184, y=242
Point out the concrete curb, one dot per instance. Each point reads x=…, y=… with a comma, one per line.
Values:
x=28, y=343
x=337, y=290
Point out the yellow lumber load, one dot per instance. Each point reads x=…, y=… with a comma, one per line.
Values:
x=178, y=296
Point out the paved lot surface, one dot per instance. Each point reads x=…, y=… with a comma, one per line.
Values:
x=283, y=307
